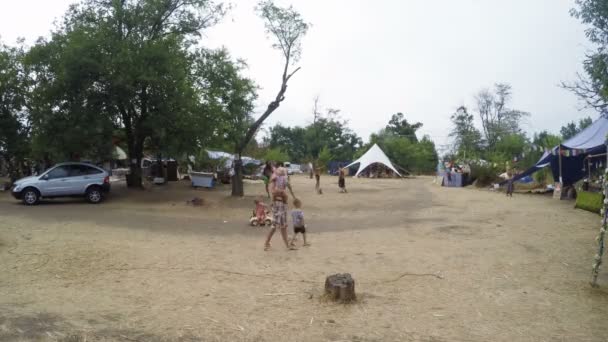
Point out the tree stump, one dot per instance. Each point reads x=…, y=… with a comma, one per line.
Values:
x=340, y=288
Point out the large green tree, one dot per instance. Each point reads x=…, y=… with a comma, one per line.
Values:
x=467, y=138
x=497, y=119
x=326, y=131
x=14, y=113
x=227, y=94
x=593, y=88
x=399, y=125
x=398, y=140
x=127, y=63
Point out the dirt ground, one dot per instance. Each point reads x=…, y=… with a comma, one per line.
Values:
x=430, y=263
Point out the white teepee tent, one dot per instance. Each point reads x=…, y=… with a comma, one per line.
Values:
x=373, y=155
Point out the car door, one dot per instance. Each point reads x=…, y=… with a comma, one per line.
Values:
x=83, y=176
x=56, y=181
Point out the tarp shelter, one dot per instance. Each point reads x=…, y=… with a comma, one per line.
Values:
x=372, y=156
x=229, y=158
x=572, y=165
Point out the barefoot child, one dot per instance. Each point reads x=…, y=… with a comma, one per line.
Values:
x=297, y=217
x=260, y=210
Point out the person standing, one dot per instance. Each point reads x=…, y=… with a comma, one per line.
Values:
x=310, y=170
x=510, y=184
x=318, y=179
x=342, y=180
x=266, y=175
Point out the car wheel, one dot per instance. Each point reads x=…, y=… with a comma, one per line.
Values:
x=94, y=195
x=30, y=196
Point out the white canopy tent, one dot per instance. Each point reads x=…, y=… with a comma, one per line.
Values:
x=373, y=155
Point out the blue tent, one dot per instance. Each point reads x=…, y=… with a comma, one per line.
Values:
x=590, y=141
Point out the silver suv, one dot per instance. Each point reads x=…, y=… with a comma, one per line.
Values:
x=64, y=180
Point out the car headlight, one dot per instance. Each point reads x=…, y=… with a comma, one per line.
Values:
x=16, y=187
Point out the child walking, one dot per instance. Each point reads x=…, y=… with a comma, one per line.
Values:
x=297, y=217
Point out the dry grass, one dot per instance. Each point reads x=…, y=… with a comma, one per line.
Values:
x=430, y=264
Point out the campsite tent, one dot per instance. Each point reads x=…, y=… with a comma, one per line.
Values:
x=573, y=152
x=373, y=155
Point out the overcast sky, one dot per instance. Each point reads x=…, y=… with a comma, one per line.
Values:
x=375, y=58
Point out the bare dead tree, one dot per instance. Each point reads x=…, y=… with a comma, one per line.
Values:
x=287, y=28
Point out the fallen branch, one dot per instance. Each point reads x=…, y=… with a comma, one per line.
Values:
x=403, y=275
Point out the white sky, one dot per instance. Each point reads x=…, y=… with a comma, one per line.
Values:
x=375, y=58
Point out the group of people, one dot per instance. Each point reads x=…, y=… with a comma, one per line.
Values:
x=276, y=181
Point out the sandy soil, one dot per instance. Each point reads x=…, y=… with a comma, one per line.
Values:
x=431, y=264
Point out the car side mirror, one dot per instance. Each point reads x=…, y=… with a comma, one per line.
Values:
x=45, y=177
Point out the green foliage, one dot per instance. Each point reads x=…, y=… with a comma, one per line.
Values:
x=286, y=26
x=507, y=147
x=324, y=158
x=125, y=64
x=14, y=123
x=306, y=143
x=404, y=151
x=594, y=88
x=544, y=176
x=203, y=163
x=485, y=174
x=276, y=155
x=399, y=126
x=590, y=201
x=227, y=94
x=497, y=119
x=415, y=157
x=467, y=138
x=571, y=129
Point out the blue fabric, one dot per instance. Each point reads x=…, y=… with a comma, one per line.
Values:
x=334, y=167
x=452, y=179
x=592, y=139
x=526, y=179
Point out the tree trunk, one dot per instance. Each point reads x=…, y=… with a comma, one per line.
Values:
x=134, y=178
x=340, y=288
x=237, y=178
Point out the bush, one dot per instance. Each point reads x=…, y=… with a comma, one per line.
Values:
x=276, y=155
x=485, y=175
x=590, y=201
